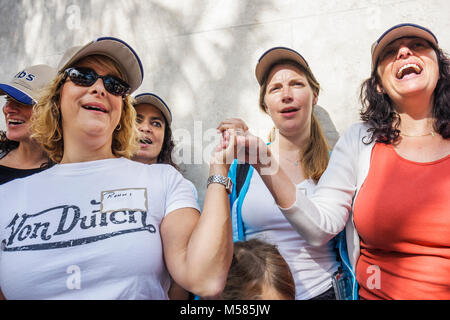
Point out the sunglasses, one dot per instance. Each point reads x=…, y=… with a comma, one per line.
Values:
x=86, y=77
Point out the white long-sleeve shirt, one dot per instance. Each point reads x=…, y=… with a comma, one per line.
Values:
x=323, y=215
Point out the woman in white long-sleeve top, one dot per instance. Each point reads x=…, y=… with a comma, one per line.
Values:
x=388, y=177
x=289, y=92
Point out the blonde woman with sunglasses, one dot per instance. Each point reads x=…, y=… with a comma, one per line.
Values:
x=97, y=225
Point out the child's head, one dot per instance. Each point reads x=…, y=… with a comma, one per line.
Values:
x=258, y=272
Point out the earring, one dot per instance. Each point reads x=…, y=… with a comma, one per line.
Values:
x=118, y=127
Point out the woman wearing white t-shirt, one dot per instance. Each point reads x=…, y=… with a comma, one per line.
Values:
x=98, y=225
x=154, y=120
x=288, y=94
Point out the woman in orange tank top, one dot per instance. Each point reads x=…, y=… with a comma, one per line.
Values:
x=402, y=210
x=387, y=181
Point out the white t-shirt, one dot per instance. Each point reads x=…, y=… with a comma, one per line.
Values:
x=89, y=230
x=311, y=267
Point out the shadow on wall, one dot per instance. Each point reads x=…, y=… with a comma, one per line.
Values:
x=196, y=64
x=327, y=125
x=199, y=74
x=185, y=49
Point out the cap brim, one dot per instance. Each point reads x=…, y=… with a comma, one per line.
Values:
x=397, y=32
x=16, y=94
x=273, y=55
x=154, y=100
x=113, y=48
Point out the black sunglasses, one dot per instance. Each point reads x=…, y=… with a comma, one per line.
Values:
x=86, y=77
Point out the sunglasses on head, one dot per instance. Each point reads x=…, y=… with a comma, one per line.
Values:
x=86, y=77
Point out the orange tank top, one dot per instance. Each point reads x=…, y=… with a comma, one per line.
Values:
x=402, y=215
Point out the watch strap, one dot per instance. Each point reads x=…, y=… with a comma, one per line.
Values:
x=225, y=181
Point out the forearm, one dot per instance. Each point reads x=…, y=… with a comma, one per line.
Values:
x=325, y=213
x=210, y=248
x=278, y=183
x=314, y=226
x=301, y=213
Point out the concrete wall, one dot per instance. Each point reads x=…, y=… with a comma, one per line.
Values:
x=200, y=55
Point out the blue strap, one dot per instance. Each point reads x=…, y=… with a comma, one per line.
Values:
x=236, y=202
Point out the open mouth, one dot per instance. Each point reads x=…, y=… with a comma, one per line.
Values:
x=146, y=141
x=289, y=110
x=410, y=68
x=94, y=108
x=14, y=122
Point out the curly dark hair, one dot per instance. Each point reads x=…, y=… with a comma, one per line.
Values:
x=378, y=111
x=165, y=156
x=7, y=145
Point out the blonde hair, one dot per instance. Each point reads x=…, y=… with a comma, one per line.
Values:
x=46, y=122
x=315, y=156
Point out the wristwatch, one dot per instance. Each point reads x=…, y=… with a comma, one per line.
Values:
x=222, y=180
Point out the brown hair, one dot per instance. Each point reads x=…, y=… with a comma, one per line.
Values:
x=255, y=264
x=47, y=125
x=316, y=154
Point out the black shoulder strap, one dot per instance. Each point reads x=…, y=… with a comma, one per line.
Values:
x=241, y=175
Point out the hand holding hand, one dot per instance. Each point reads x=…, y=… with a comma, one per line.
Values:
x=233, y=123
x=224, y=153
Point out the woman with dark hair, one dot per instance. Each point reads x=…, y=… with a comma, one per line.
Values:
x=388, y=177
x=21, y=156
x=154, y=120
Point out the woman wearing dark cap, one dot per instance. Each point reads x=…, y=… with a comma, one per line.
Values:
x=388, y=177
x=288, y=93
x=21, y=156
x=154, y=120
x=97, y=225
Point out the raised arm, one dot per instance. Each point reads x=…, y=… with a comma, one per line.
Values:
x=198, y=249
x=319, y=218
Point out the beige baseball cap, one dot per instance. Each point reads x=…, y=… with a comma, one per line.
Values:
x=273, y=55
x=116, y=49
x=154, y=100
x=26, y=85
x=399, y=31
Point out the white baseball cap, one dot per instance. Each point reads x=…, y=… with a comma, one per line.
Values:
x=113, y=48
x=154, y=100
x=399, y=31
x=26, y=85
x=273, y=55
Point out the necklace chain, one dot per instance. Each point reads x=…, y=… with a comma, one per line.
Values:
x=423, y=135
x=295, y=163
